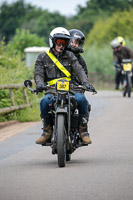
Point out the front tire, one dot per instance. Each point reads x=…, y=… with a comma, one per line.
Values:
x=61, y=140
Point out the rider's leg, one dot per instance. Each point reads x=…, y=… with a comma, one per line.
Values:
x=118, y=77
x=132, y=76
x=84, y=110
x=46, y=119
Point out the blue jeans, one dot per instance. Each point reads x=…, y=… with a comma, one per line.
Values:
x=80, y=98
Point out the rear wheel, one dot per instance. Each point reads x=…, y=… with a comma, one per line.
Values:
x=61, y=140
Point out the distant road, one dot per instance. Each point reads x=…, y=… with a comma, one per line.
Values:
x=101, y=171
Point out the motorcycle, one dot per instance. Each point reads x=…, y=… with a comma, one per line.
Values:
x=65, y=138
x=127, y=77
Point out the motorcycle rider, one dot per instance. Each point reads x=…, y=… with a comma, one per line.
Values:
x=47, y=72
x=119, y=52
x=76, y=43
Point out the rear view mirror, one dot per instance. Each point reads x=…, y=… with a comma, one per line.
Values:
x=27, y=83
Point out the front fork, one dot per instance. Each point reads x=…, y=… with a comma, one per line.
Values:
x=125, y=79
x=61, y=108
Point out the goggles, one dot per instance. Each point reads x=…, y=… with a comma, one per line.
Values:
x=62, y=42
x=116, y=48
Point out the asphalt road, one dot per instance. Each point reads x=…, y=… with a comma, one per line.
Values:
x=101, y=171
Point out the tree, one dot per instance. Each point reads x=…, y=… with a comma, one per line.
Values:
x=44, y=23
x=95, y=10
x=24, y=16
x=121, y=23
x=11, y=17
x=22, y=39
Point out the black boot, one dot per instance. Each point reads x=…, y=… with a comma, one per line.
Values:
x=83, y=129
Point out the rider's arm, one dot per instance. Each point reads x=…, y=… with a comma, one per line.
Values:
x=77, y=69
x=39, y=70
x=130, y=52
x=117, y=64
x=82, y=62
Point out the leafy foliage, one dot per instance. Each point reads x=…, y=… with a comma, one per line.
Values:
x=23, y=39
x=24, y=16
x=12, y=17
x=121, y=23
x=12, y=70
x=95, y=10
x=44, y=23
x=4, y=99
x=99, y=61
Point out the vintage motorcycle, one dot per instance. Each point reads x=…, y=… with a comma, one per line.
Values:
x=65, y=138
x=127, y=77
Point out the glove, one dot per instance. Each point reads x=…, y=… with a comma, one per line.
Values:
x=118, y=67
x=89, y=86
x=40, y=87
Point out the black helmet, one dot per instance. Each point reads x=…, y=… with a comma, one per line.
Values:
x=76, y=35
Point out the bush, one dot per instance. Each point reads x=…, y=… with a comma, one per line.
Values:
x=13, y=71
x=22, y=39
x=99, y=60
x=121, y=23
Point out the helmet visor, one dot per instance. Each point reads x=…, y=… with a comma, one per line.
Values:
x=62, y=42
x=76, y=43
x=116, y=48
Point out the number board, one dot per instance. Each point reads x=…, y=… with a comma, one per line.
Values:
x=63, y=85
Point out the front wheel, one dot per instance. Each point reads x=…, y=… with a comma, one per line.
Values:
x=61, y=140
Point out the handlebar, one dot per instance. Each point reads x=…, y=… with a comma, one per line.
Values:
x=127, y=61
x=45, y=88
x=81, y=87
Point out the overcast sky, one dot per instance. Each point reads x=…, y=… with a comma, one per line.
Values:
x=65, y=7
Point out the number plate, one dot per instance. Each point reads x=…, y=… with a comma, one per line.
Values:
x=63, y=85
x=127, y=67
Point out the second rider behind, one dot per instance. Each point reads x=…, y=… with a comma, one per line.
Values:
x=77, y=39
x=76, y=44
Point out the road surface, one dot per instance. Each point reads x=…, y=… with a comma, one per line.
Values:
x=101, y=171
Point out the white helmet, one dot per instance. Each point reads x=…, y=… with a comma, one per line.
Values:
x=115, y=43
x=58, y=32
